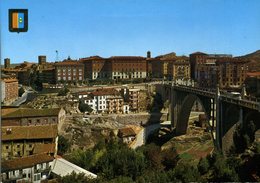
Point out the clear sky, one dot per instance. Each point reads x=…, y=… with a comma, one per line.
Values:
x=82, y=28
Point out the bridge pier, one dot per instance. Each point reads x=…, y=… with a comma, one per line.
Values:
x=222, y=109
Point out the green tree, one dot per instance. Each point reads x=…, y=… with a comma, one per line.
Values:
x=63, y=91
x=75, y=178
x=203, y=166
x=186, y=173
x=63, y=145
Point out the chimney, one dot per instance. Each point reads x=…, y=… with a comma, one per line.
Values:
x=148, y=54
x=7, y=63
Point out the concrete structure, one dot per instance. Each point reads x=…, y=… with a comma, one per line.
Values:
x=223, y=110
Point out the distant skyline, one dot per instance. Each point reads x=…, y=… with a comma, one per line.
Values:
x=82, y=28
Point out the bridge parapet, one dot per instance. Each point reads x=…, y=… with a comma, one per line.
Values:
x=243, y=101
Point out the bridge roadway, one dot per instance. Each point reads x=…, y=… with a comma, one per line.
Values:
x=243, y=101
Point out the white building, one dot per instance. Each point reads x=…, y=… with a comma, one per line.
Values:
x=106, y=101
x=33, y=168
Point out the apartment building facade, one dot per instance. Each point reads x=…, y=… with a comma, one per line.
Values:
x=69, y=71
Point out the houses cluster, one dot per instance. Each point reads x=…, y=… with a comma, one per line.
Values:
x=111, y=100
x=207, y=69
x=30, y=143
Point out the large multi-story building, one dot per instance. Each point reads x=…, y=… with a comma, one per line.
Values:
x=180, y=68
x=96, y=68
x=9, y=87
x=132, y=97
x=69, y=70
x=222, y=69
x=116, y=67
x=232, y=72
x=196, y=59
x=128, y=67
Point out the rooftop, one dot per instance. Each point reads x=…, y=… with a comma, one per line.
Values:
x=253, y=74
x=25, y=162
x=126, y=132
x=9, y=80
x=68, y=62
x=198, y=53
x=29, y=132
x=63, y=167
x=28, y=112
x=105, y=91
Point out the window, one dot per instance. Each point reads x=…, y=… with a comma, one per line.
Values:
x=6, y=147
x=18, y=145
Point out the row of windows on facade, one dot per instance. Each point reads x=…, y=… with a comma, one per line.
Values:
x=69, y=78
x=74, y=74
x=69, y=70
x=25, y=174
x=18, y=146
x=38, y=120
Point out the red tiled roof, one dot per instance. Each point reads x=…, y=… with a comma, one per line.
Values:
x=126, y=132
x=198, y=53
x=29, y=132
x=253, y=74
x=127, y=58
x=44, y=148
x=25, y=162
x=9, y=80
x=231, y=60
x=68, y=62
x=28, y=112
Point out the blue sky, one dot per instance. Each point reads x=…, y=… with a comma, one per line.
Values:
x=82, y=28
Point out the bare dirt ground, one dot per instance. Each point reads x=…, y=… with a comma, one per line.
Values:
x=192, y=146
